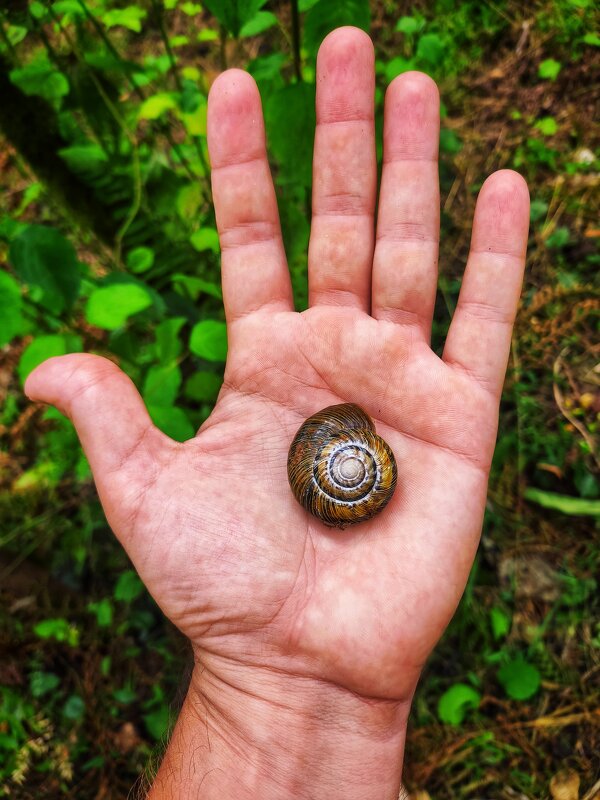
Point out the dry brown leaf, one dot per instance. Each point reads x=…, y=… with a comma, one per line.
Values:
x=565, y=785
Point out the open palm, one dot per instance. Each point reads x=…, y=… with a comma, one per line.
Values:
x=211, y=524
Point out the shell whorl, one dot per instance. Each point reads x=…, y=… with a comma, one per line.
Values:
x=339, y=468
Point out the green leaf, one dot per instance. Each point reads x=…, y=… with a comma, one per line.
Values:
x=559, y=237
x=11, y=318
x=157, y=105
x=592, y=39
x=409, y=25
x=130, y=17
x=197, y=286
x=260, y=22
x=450, y=142
x=74, y=708
x=547, y=126
x=128, y=587
x=456, y=701
x=47, y=347
x=40, y=79
x=173, y=421
x=157, y=722
x=500, y=622
x=125, y=695
x=58, y=629
x=68, y=7
x=191, y=10
x=397, y=66
x=326, y=15
x=41, y=683
x=549, y=69
x=162, y=385
x=538, y=210
x=47, y=262
x=290, y=120
x=234, y=14
x=573, y=506
x=519, y=678
x=190, y=97
x=205, y=239
x=168, y=344
x=109, y=307
x=431, y=50
x=209, y=340
x=103, y=611
x=84, y=157
x=203, y=387
x=140, y=259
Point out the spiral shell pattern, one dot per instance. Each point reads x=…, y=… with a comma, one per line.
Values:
x=339, y=468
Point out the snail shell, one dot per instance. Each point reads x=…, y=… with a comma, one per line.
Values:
x=339, y=468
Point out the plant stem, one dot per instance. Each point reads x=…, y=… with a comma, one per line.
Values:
x=296, y=40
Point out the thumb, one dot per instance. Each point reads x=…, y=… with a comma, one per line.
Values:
x=124, y=448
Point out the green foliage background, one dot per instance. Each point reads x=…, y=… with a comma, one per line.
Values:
x=108, y=238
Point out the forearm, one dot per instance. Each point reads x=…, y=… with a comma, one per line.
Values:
x=282, y=738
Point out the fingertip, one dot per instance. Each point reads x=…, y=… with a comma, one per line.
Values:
x=501, y=221
x=344, y=41
x=235, y=128
x=53, y=380
x=413, y=85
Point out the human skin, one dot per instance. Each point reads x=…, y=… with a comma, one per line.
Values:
x=308, y=641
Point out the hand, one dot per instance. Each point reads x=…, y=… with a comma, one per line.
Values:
x=279, y=608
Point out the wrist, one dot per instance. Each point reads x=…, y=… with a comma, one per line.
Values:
x=253, y=733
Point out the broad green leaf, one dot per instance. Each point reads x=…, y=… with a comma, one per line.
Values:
x=41, y=79
x=209, y=340
x=290, y=120
x=16, y=33
x=189, y=200
x=205, y=239
x=58, y=629
x=68, y=7
x=260, y=22
x=547, y=126
x=41, y=683
x=203, y=387
x=161, y=385
x=81, y=157
x=140, y=259
x=549, y=69
x=74, y=708
x=103, y=611
x=456, y=702
x=157, y=105
x=592, y=39
x=47, y=347
x=11, y=319
x=397, y=66
x=190, y=97
x=168, y=344
x=500, y=622
x=573, y=506
x=234, y=14
x=194, y=287
x=125, y=695
x=431, y=50
x=173, y=421
x=449, y=142
x=519, y=678
x=409, y=25
x=326, y=15
x=47, y=263
x=130, y=17
x=538, y=210
x=560, y=237
x=191, y=9
x=128, y=587
x=109, y=307
x=157, y=722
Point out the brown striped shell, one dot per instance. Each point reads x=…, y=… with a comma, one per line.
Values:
x=339, y=468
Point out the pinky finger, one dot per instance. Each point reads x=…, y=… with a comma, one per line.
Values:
x=479, y=338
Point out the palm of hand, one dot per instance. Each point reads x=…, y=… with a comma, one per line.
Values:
x=212, y=525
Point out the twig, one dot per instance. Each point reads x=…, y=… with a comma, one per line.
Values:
x=560, y=402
